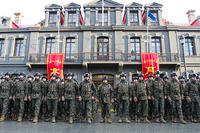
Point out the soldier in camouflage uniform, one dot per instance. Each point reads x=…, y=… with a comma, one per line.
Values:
x=149, y=83
x=141, y=95
x=52, y=97
x=105, y=96
x=123, y=96
x=69, y=94
x=60, y=113
x=168, y=106
x=28, y=106
x=43, y=108
x=192, y=91
x=6, y=91
x=175, y=95
x=20, y=96
x=88, y=93
x=133, y=105
x=158, y=95
x=36, y=94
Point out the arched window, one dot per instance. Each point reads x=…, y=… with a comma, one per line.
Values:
x=189, y=46
x=135, y=48
x=103, y=48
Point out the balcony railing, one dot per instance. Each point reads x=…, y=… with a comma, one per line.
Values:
x=103, y=57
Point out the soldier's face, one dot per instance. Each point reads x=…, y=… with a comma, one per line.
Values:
x=157, y=75
x=69, y=77
x=58, y=80
x=86, y=78
x=29, y=79
x=21, y=76
x=44, y=79
x=37, y=77
x=53, y=78
x=105, y=81
x=151, y=78
x=7, y=76
x=2, y=80
x=123, y=78
x=141, y=78
x=165, y=79
x=135, y=80
x=194, y=78
x=181, y=79
x=173, y=77
x=16, y=80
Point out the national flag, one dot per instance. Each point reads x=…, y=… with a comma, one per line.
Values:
x=62, y=18
x=81, y=19
x=150, y=63
x=14, y=25
x=124, y=17
x=55, y=64
x=151, y=16
x=143, y=17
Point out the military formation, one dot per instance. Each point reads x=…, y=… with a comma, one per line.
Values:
x=156, y=99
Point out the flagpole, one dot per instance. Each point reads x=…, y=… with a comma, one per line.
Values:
x=58, y=31
x=147, y=32
x=102, y=12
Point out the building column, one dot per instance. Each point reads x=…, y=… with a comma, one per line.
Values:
x=6, y=44
x=97, y=21
x=118, y=12
x=12, y=47
x=77, y=17
x=44, y=45
x=66, y=18
x=109, y=16
x=140, y=17
x=196, y=44
x=25, y=42
x=87, y=16
x=162, y=43
x=128, y=17
x=160, y=17
x=46, y=18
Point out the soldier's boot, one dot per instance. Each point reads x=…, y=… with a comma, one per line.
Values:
x=70, y=120
x=102, y=120
x=3, y=117
x=146, y=120
x=138, y=120
x=53, y=120
x=109, y=120
x=35, y=120
x=157, y=120
x=173, y=120
x=42, y=117
x=89, y=121
x=192, y=120
x=120, y=120
x=127, y=121
x=162, y=120
x=199, y=119
x=182, y=121
x=19, y=119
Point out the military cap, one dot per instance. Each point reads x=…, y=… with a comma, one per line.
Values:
x=122, y=75
x=141, y=75
x=150, y=75
x=29, y=76
x=22, y=73
x=86, y=75
x=165, y=77
x=58, y=77
x=69, y=74
x=7, y=73
x=104, y=78
x=37, y=74
x=173, y=74
x=157, y=72
x=17, y=77
x=44, y=77
x=135, y=77
x=53, y=75
x=193, y=75
x=181, y=77
x=2, y=77
x=197, y=77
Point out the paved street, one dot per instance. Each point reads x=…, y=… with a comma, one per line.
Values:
x=95, y=127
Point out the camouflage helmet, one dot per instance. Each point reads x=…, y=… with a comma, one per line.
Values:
x=122, y=75
x=173, y=74
x=44, y=77
x=193, y=75
x=37, y=74
x=157, y=72
x=197, y=77
x=141, y=75
x=86, y=75
x=165, y=77
x=150, y=75
x=135, y=77
x=29, y=76
x=22, y=73
x=17, y=77
x=69, y=74
x=104, y=78
x=58, y=77
x=53, y=75
x=7, y=73
x=2, y=77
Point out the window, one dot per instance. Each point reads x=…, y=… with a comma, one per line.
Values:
x=4, y=22
x=1, y=47
x=72, y=18
x=105, y=17
x=18, y=47
x=135, y=48
x=189, y=46
x=50, y=46
x=134, y=17
x=52, y=17
x=70, y=48
x=156, y=45
x=103, y=48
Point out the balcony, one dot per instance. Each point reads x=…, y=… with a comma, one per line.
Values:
x=111, y=57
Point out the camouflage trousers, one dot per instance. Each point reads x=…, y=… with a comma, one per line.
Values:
x=124, y=108
x=19, y=106
x=69, y=107
x=43, y=108
x=52, y=105
x=195, y=109
x=159, y=107
x=4, y=104
x=105, y=110
x=87, y=108
x=36, y=103
x=150, y=109
x=143, y=108
x=177, y=109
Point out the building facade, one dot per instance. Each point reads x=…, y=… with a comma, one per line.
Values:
x=107, y=48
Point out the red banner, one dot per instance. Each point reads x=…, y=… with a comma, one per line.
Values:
x=150, y=63
x=55, y=64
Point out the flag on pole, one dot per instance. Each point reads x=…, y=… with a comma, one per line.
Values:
x=150, y=63
x=151, y=16
x=55, y=64
x=81, y=19
x=124, y=17
x=143, y=17
x=62, y=18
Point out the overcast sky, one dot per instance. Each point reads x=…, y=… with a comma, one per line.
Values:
x=33, y=10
